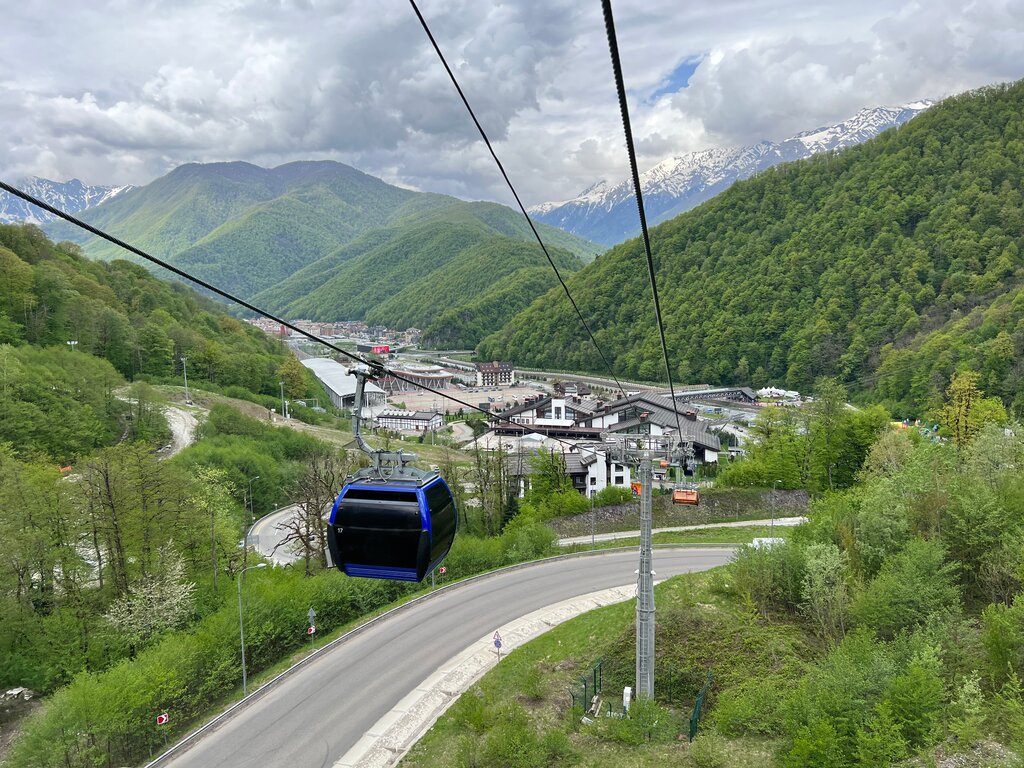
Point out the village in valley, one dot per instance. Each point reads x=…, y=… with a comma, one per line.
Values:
x=585, y=419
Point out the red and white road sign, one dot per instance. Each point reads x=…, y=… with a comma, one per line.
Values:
x=311, y=630
x=442, y=569
x=162, y=719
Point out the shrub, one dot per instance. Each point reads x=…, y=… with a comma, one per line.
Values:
x=910, y=587
x=815, y=746
x=472, y=712
x=525, y=539
x=770, y=578
x=824, y=592
x=915, y=698
x=842, y=688
x=709, y=750
x=967, y=712
x=533, y=684
x=880, y=743
x=558, y=747
x=513, y=742
x=647, y=721
x=752, y=707
x=612, y=495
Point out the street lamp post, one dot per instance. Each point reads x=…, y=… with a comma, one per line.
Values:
x=593, y=521
x=775, y=485
x=184, y=371
x=284, y=405
x=252, y=523
x=241, y=630
x=252, y=513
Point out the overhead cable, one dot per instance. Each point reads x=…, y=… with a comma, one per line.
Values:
x=378, y=368
x=508, y=181
x=613, y=48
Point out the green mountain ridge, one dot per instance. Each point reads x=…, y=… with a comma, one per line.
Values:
x=829, y=266
x=440, y=261
x=243, y=226
x=282, y=235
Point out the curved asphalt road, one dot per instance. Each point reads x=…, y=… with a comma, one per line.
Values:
x=268, y=535
x=315, y=716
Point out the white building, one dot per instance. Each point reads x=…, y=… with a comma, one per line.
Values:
x=413, y=421
x=341, y=386
x=643, y=414
x=590, y=467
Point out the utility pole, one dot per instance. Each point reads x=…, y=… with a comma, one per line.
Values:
x=645, y=588
x=284, y=411
x=241, y=625
x=184, y=370
x=638, y=453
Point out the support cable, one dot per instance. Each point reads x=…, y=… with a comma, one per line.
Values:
x=378, y=368
x=613, y=48
x=508, y=181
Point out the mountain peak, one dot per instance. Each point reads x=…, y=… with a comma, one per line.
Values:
x=604, y=212
x=71, y=196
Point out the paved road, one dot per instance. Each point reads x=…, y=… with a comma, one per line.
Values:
x=316, y=715
x=780, y=521
x=269, y=533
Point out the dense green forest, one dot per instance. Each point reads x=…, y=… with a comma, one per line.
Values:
x=215, y=216
x=74, y=334
x=456, y=277
x=828, y=266
x=73, y=330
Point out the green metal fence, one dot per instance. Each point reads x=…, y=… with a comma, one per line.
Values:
x=698, y=705
x=588, y=686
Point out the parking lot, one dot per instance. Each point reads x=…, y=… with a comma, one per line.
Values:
x=428, y=401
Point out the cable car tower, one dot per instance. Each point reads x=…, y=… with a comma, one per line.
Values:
x=638, y=451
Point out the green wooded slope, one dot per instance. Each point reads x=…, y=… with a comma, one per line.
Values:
x=457, y=270
x=323, y=240
x=814, y=267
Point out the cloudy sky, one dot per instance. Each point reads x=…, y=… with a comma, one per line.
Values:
x=124, y=90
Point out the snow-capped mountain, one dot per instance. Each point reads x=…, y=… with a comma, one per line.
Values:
x=70, y=196
x=606, y=213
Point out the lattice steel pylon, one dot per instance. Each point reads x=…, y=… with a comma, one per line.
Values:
x=645, y=588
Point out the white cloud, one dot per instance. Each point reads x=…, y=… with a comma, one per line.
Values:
x=121, y=92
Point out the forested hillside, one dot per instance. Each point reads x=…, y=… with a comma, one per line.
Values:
x=449, y=271
x=86, y=546
x=431, y=274
x=240, y=224
x=287, y=231
x=73, y=330
x=826, y=266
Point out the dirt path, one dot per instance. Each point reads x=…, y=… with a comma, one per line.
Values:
x=183, y=428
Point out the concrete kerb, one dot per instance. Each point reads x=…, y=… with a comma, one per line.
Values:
x=212, y=725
